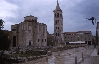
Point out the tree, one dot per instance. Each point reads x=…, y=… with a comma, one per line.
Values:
x=1, y=24
x=4, y=40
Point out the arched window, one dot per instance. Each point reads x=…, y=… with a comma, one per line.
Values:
x=38, y=40
x=58, y=28
x=45, y=40
x=57, y=14
x=56, y=34
x=29, y=43
x=42, y=40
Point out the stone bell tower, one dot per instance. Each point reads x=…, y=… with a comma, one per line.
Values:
x=58, y=24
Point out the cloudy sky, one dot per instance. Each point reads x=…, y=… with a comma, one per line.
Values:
x=75, y=13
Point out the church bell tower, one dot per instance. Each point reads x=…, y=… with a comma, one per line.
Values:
x=58, y=23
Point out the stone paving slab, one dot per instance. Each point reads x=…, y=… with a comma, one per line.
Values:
x=65, y=57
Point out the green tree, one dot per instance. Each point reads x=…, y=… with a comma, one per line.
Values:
x=4, y=40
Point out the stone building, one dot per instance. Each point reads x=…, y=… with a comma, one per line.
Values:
x=97, y=33
x=81, y=36
x=29, y=33
x=58, y=24
x=50, y=40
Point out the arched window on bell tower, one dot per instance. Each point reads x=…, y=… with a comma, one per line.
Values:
x=57, y=14
x=56, y=34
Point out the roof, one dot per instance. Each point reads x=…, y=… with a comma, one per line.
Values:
x=70, y=32
x=84, y=32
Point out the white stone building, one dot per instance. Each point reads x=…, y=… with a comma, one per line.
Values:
x=78, y=37
x=29, y=33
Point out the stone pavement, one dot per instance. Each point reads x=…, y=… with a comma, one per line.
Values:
x=67, y=57
x=87, y=58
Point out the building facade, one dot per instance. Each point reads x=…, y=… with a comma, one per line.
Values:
x=29, y=33
x=97, y=33
x=58, y=24
x=81, y=36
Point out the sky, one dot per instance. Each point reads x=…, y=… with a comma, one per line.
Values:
x=75, y=13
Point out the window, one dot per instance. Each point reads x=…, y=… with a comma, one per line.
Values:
x=38, y=40
x=57, y=14
x=45, y=40
x=58, y=28
x=29, y=43
x=42, y=40
x=56, y=34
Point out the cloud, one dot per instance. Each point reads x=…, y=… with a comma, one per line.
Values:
x=7, y=11
x=75, y=12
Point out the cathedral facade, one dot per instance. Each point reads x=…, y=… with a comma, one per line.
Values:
x=29, y=33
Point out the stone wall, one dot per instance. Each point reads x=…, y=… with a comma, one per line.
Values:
x=30, y=32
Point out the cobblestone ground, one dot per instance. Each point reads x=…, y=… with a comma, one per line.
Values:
x=67, y=56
